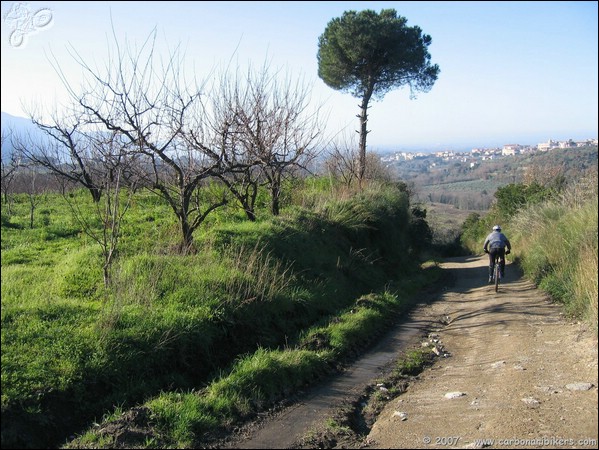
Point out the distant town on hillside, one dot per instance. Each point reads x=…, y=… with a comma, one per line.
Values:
x=469, y=179
x=484, y=154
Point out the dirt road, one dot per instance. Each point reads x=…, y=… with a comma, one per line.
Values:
x=517, y=375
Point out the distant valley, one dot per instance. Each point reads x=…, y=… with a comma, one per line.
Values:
x=469, y=181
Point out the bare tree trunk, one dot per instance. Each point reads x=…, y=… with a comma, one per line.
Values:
x=275, y=189
x=31, y=211
x=33, y=193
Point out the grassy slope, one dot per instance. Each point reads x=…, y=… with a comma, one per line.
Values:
x=71, y=351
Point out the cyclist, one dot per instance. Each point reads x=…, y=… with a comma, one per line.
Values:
x=496, y=243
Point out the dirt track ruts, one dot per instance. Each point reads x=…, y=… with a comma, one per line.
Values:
x=522, y=368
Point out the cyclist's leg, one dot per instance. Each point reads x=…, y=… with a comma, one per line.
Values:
x=501, y=252
x=491, y=264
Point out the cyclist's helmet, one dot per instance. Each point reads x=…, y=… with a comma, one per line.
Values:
x=496, y=228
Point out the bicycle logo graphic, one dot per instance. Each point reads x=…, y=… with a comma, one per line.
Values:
x=23, y=21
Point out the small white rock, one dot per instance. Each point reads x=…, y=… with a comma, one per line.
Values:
x=532, y=402
x=579, y=386
x=402, y=415
x=454, y=394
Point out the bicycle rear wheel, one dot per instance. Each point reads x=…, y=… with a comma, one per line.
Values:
x=497, y=274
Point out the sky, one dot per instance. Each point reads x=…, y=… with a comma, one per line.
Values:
x=510, y=72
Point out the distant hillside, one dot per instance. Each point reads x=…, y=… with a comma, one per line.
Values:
x=470, y=186
x=11, y=126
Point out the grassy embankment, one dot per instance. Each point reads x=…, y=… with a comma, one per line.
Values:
x=200, y=341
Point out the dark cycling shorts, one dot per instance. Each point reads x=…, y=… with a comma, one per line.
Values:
x=497, y=251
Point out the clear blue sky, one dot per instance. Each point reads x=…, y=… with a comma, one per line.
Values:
x=511, y=72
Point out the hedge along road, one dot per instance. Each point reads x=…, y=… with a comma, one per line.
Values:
x=518, y=375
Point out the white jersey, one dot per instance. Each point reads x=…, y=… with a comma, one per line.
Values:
x=496, y=240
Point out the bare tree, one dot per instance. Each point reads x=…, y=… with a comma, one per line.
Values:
x=375, y=169
x=259, y=130
x=145, y=100
x=237, y=103
x=545, y=175
x=343, y=161
x=232, y=106
x=117, y=162
x=10, y=165
x=279, y=129
x=212, y=131
x=66, y=153
x=29, y=180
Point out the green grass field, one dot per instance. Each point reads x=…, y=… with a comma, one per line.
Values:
x=249, y=301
